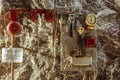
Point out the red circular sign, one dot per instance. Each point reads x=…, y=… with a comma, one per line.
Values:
x=14, y=28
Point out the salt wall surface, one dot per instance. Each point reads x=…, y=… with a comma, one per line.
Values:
x=38, y=65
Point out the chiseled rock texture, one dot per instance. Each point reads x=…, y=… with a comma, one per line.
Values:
x=39, y=60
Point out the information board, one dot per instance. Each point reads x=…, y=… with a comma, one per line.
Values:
x=12, y=55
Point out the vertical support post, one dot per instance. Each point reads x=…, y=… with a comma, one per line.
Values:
x=93, y=74
x=54, y=37
x=12, y=70
x=54, y=30
x=12, y=63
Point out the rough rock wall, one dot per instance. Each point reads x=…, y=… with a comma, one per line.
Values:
x=39, y=65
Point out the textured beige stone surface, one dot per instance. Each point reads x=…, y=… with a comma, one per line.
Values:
x=38, y=52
